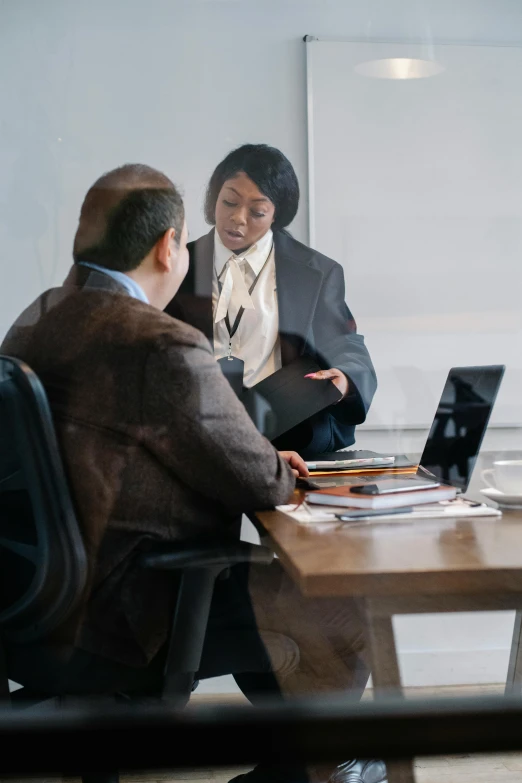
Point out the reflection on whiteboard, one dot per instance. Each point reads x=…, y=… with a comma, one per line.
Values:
x=416, y=189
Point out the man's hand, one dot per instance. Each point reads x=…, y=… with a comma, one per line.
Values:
x=336, y=376
x=296, y=463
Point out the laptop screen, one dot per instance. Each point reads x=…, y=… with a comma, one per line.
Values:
x=460, y=423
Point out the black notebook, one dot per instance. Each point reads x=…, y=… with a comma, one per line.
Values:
x=289, y=397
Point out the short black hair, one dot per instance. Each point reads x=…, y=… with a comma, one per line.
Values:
x=271, y=171
x=124, y=214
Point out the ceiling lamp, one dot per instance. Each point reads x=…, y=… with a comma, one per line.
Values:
x=399, y=68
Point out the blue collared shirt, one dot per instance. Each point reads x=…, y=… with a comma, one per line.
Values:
x=130, y=285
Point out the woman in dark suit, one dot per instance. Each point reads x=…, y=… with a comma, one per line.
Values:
x=263, y=297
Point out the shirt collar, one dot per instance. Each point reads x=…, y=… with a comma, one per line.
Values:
x=256, y=255
x=130, y=285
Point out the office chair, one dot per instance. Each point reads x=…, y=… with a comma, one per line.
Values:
x=43, y=563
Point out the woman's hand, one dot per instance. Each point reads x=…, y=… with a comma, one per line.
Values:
x=336, y=376
x=297, y=464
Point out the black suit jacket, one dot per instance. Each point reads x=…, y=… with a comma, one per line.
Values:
x=313, y=319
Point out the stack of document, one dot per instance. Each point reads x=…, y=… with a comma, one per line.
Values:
x=347, y=498
x=459, y=507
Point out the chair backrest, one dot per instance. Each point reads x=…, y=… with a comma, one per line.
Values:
x=43, y=563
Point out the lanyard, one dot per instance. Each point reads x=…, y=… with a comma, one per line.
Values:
x=233, y=329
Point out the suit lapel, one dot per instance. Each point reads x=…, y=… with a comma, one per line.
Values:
x=195, y=295
x=298, y=286
x=203, y=257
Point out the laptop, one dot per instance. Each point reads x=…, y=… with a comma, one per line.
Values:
x=455, y=437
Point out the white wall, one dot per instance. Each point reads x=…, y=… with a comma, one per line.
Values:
x=86, y=86
x=174, y=83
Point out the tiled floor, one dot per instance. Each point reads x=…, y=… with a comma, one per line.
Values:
x=501, y=768
x=451, y=769
x=505, y=768
x=448, y=769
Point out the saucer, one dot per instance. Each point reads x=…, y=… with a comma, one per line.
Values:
x=504, y=501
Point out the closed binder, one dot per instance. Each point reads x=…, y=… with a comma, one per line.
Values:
x=288, y=398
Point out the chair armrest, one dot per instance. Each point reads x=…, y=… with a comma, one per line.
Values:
x=172, y=557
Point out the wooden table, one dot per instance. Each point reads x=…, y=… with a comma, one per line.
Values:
x=449, y=565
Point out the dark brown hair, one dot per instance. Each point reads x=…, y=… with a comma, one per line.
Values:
x=124, y=214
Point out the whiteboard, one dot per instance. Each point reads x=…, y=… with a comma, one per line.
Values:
x=416, y=189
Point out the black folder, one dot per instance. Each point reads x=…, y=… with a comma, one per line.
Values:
x=290, y=397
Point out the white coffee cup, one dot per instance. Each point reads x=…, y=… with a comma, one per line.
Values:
x=505, y=475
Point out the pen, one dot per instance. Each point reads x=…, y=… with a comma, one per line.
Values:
x=361, y=514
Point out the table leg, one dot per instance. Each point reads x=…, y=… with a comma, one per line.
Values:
x=386, y=676
x=514, y=675
x=385, y=666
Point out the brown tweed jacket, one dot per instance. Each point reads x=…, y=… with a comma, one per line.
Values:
x=156, y=446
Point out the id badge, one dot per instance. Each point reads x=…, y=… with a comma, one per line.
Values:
x=233, y=370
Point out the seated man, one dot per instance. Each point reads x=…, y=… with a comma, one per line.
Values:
x=157, y=447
